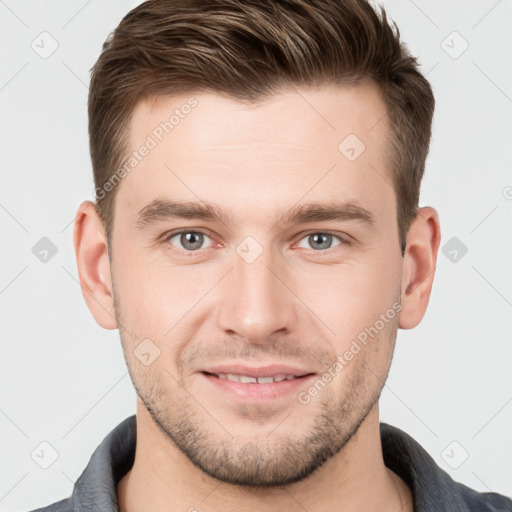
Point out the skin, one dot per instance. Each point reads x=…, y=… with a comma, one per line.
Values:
x=197, y=446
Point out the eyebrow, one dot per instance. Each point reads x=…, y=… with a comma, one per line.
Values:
x=162, y=209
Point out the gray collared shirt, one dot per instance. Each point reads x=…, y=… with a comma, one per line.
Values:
x=433, y=489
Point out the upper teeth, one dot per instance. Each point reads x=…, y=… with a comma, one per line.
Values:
x=259, y=380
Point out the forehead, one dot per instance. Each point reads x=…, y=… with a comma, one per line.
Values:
x=323, y=143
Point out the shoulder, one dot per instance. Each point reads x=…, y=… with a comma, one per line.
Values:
x=95, y=488
x=432, y=487
x=484, y=501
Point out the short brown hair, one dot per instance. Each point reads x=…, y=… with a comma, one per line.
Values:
x=250, y=50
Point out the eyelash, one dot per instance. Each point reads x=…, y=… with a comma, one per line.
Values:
x=190, y=254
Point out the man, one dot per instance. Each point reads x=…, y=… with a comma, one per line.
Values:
x=257, y=240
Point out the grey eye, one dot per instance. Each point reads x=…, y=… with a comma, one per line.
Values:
x=190, y=240
x=319, y=241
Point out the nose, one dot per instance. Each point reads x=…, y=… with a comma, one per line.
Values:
x=258, y=300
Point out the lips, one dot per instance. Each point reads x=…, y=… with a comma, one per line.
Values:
x=247, y=379
x=241, y=383
x=242, y=373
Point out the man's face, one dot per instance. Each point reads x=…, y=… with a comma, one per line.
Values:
x=257, y=289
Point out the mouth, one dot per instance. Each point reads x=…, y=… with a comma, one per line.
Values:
x=248, y=379
x=252, y=388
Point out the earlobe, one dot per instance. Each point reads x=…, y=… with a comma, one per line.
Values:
x=419, y=266
x=93, y=264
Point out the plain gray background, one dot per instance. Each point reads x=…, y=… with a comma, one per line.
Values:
x=63, y=378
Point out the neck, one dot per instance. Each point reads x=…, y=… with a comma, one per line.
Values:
x=354, y=479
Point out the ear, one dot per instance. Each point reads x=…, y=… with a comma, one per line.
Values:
x=91, y=251
x=419, y=266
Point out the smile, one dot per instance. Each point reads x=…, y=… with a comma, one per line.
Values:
x=246, y=379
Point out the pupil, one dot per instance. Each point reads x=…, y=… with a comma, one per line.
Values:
x=188, y=238
x=318, y=236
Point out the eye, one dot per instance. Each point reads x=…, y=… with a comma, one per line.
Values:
x=190, y=241
x=319, y=240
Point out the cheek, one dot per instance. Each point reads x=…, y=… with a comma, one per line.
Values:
x=350, y=297
x=156, y=295
x=140, y=292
